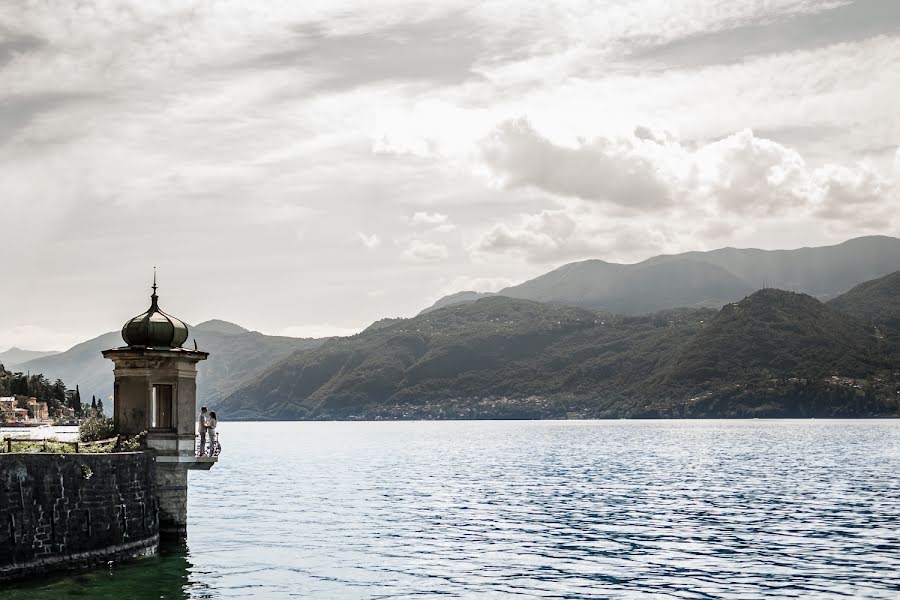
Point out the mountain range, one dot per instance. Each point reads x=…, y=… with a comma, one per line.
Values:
x=235, y=354
x=15, y=356
x=707, y=279
x=679, y=335
x=773, y=353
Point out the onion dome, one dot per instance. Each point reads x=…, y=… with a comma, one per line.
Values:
x=154, y=328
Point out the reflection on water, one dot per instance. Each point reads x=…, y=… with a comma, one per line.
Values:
x=166, y=576
x=590, y=509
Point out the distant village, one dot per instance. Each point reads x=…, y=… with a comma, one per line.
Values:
x=31, y=400
x=24, y=411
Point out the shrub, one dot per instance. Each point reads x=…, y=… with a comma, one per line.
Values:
x=96, y=428
x=134, y=443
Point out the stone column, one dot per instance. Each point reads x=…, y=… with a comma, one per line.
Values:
x=171, y=490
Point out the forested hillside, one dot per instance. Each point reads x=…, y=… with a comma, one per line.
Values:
x=774, y=353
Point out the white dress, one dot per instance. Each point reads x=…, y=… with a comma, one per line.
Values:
x=211, y=435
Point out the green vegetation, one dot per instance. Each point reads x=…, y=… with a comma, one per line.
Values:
x=774, y=353
x=874, y=302
x=96, y=427
x=24, y=386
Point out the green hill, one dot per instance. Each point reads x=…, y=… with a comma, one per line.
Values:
x=778, y=334
x=774, y=353
x=876, y=302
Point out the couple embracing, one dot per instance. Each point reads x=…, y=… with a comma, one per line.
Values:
x=206, y=423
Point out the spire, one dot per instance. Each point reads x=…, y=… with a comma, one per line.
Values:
x=154, y=298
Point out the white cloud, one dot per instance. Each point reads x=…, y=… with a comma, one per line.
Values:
x=855, y=198
x=228, y=126
x=739, y=175
x=370, y=241
x=427, y=218
x=745, y=174
x=713, y=191
x=423, y=250
x=615, y=170
x=576, y=231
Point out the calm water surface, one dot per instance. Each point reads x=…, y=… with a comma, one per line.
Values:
x=590, y=509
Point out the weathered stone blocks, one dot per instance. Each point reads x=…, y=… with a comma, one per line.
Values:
x=70, y=511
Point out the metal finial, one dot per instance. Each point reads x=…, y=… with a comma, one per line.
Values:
x=153, y=297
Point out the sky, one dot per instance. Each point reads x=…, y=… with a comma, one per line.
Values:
x=306, y=168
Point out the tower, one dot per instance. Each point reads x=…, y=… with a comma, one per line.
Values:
x=155, y=391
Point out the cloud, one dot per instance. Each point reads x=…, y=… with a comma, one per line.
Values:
x=370, y=241
x=427, y=218
x=619, y=171
x=745, y=174
x=575, y=231
x=439, y=48
x=739, y=175
x=229, y=126
x=855, y=198
x=712, y=191
x=827, y=23
x=422, y=250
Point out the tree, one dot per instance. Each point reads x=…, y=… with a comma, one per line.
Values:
x=94, y=403
x=76, y=401
x=100, y=407
x=59, y=390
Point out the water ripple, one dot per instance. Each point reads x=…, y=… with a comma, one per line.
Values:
x=621, y=509
x=556, y=510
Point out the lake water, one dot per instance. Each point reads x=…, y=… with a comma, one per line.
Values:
x=588, y=509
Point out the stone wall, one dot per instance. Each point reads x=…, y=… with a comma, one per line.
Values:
x=71, y=511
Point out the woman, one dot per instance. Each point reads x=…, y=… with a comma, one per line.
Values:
x=211, y=432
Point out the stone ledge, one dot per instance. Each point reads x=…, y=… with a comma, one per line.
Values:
x=81, y=560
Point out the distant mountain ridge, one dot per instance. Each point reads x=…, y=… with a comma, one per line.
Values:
x=16, y=356
x=235, y=354
x=773, y=353
x=711, y=279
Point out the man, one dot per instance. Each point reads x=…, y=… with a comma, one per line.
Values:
x=202, y=425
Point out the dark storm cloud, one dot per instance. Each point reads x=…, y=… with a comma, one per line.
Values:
x=442, y=49
x=848, y=23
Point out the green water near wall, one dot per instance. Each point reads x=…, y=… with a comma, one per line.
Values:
x=164, y=576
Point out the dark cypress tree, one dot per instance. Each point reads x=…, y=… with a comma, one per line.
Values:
x=100, y=407
x=94, y=403
x=76, y=401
